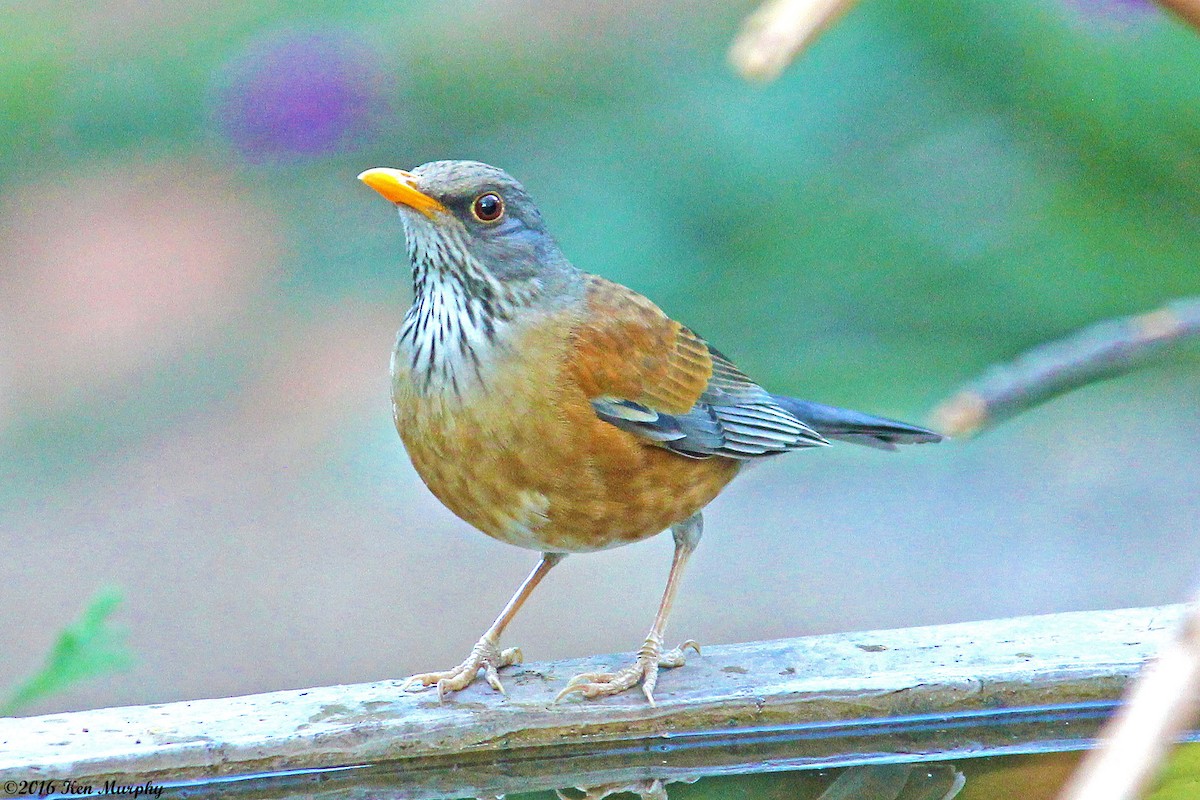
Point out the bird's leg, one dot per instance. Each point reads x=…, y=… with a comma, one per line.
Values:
x=486, y=654
x=650, y=657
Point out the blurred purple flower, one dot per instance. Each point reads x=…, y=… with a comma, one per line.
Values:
x=1121, y=12
x=300, y=93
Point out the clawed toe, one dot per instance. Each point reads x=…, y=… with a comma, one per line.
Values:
x=593, y=684
x=643, y=671
x=676, y=658
x=589, y=677
x=485, y=656
x=646, y=789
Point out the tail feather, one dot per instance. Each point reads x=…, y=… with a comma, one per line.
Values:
x=854, y=426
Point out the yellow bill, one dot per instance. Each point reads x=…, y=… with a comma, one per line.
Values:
x=400, y=187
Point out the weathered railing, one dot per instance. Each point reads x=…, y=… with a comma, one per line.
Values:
x=997, y=686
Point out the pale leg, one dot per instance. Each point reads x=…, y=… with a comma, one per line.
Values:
x=486, y=654
x=651, y=656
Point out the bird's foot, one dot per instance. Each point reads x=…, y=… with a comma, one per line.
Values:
x=644, y=670
x=486, y=655
x=645, y=788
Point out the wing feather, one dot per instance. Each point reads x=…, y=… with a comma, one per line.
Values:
x=649, y=375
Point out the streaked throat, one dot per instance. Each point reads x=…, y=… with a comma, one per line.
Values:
x=458, y=321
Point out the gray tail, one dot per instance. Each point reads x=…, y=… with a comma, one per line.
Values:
x=854, y=426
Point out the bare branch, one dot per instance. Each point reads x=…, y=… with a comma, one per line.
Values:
x=1099, y=351
x=1160, y=706
x=1187, y=10
x=773, y=35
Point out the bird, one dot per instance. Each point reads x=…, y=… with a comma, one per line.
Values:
x=564, y=413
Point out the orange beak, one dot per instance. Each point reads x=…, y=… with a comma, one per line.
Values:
x=401, y=188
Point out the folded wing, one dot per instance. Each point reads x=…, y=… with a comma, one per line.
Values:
x=648, y=375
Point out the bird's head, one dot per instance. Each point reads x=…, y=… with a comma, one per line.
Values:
x=469, y=220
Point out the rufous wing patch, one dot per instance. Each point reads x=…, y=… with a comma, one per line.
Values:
x=627, y=348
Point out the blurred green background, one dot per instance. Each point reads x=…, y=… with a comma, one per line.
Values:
x=197, y=302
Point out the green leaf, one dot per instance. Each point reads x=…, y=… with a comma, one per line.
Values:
x=1180, y=778
x=90, y=647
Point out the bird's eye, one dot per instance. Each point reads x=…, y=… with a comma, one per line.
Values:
x=488, y=207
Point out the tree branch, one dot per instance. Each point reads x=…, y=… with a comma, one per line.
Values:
x=1187, y=10
x=1099, y=351
x=1160, y=706
x=773, y=35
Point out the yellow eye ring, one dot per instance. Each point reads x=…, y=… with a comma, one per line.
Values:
x=488, y=207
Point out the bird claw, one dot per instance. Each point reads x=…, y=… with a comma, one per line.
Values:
x=644, y=671
x=485, y=655
x=645, y=788
x=675, y=658
x=583, y=683
x=589, y=677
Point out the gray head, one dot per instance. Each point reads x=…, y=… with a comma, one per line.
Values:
x=465, y=220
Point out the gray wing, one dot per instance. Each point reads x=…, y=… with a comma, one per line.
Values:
x=856, y=427
x=734, y=417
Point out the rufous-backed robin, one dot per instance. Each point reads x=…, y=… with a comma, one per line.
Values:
x=564, y=413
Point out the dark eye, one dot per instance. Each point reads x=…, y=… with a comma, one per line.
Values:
x=488, y=207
